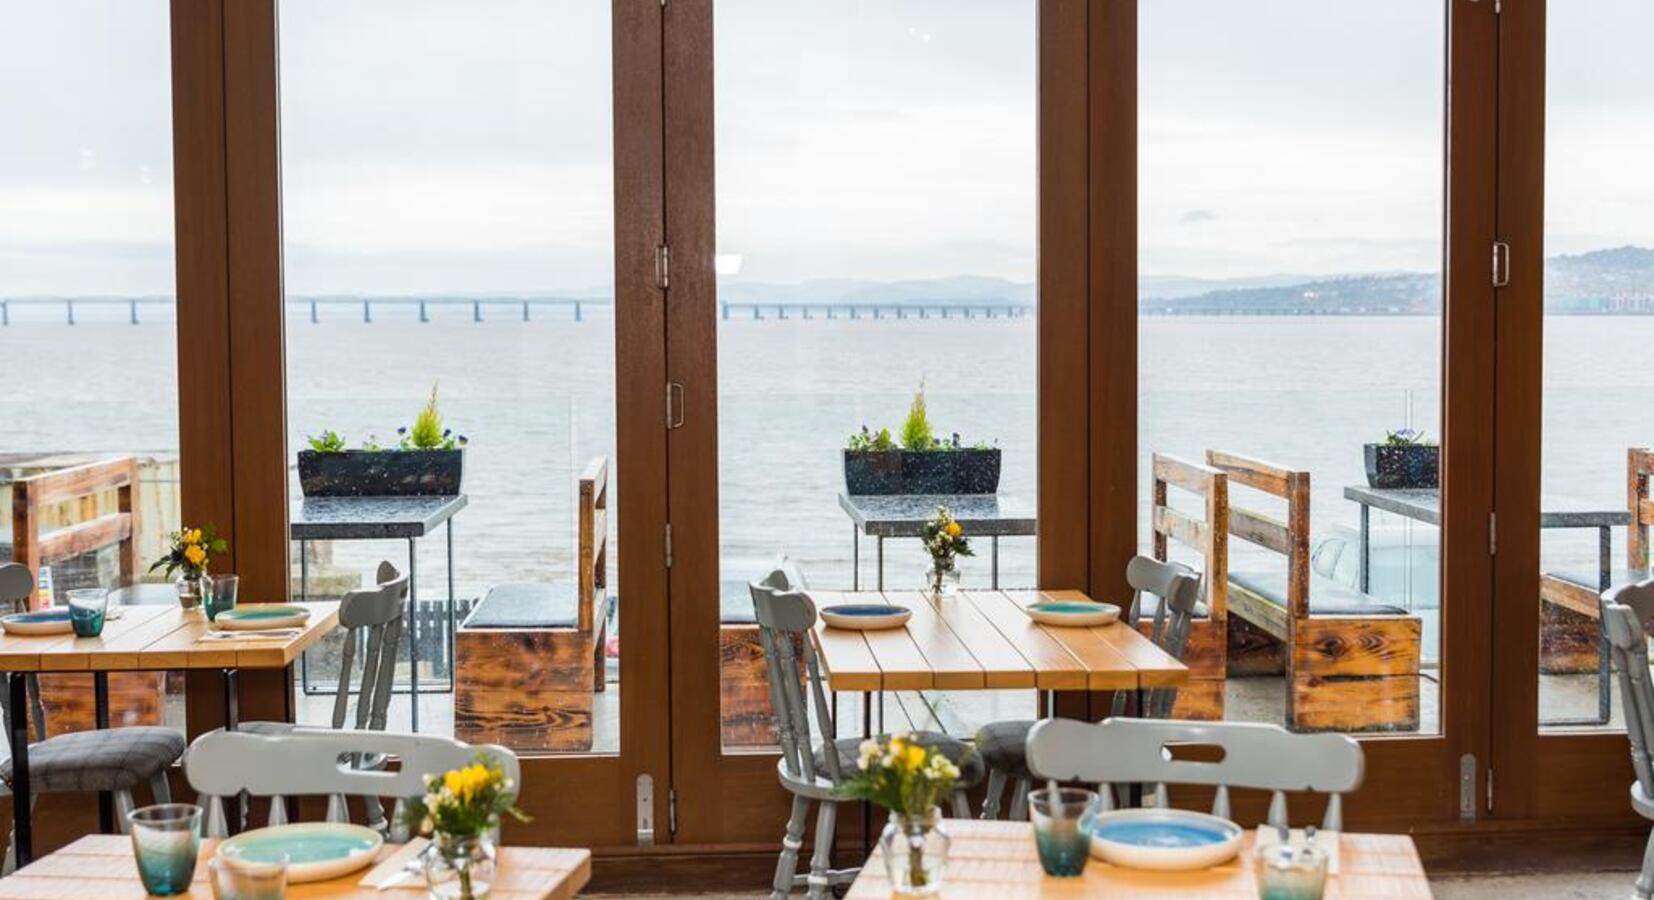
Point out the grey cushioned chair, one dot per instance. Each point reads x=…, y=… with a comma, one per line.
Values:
x=114, y=759
x=812, y=772
x=1166, y=591
x=1625, y=610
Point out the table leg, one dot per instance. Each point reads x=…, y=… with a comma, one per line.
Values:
x=1364, y=560
x=17, y=729
x=881, y=712
x=866, y=808
x=232, y=719
x=881, y=562
x=1605, y=702
x=100, y=721
x=413, y=640
x=304, y=594
x=855, y=558
x=448, y=639
x=994, y=542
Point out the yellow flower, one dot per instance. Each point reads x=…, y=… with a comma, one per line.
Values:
x=915, y=759
x=193, y=536
x=954, y=529
x=467, y=782
x=195, y=554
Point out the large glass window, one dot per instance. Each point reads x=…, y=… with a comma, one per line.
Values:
x=1290, y=230
x=448, y=217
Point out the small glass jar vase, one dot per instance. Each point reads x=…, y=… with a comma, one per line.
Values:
x=190, y=591
x=915, y=850
x=459, y=867
x=1291, y=870
x=942, y=582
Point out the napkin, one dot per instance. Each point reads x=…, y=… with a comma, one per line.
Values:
x=272, y=634
x=400, y=870
x=1269, y=836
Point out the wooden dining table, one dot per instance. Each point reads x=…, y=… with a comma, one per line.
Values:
x=998, y=860
x=145, y=638
x=102, y=866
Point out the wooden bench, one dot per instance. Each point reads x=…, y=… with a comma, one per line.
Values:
x=1206, y=653
x=1351, y=662
x=529, y=657
x=1568, y=611
x=64, y=495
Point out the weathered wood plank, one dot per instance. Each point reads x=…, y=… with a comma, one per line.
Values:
x=951, y=663
x=1264, y=613
x=1361, y=704
x=1186, y=474
x=1254, y=473
x=1567, y=641
x=1260, y=529
x=85, y=537
x=1351, y=646
x=529, y=689
x=1575, y=598
x=1181, y=527
x=1003, y=666
x=745, y=716
x=1253, y=651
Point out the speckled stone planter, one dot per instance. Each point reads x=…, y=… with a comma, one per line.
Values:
x=1411, y=466
x=928, y=472
x=381, y=473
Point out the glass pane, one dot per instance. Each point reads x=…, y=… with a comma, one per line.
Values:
x=449, y=226
x=1599, y=284
x=876, y=196
x=1290, y=237
x=87, y=323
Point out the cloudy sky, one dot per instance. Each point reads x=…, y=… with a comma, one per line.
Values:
x=465, y=146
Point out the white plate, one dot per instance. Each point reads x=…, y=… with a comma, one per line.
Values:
x=1166, y=840
x=865, y=616
x=1073, y=613
x=316, y=851
x=41, y=621
x=261, y=617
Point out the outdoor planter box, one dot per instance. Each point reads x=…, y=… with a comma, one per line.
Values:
x=1409, y=466
x=921, y=472
x=381, y=473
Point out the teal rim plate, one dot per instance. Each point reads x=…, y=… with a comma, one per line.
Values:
x=40, y=621
x=1073, y=612
x=261, y=615
x=315, y=851
x=1164, y=839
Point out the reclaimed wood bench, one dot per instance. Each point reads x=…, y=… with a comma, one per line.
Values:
x=1206, y=653
x=1351, y=662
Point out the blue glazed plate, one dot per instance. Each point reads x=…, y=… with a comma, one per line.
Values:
x=865, y=616
x=1167, y=840
x=261, y=615
x=316, y=851
x=43, y=621
x=1072, y=613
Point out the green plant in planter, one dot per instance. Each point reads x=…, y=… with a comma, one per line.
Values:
x=916, y=431
x=1406, y=437
x=328, y=441
x=867, y=440
x=427, y=432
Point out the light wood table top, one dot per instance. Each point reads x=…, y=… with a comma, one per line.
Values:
x=160, y=637
x=982, y=640
x=998, y=860
x=102, y=866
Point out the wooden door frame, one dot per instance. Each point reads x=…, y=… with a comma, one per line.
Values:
x=232, y=380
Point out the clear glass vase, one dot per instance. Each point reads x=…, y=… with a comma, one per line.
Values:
x=942, y=581
x=459, y=868
x=189, y=591
x=915, y=850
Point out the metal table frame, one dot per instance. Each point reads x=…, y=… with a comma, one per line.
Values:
x=1424, y=505
x=328, y=519
x=881, y=516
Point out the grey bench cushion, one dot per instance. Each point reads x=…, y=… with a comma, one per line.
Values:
x=108, y=760
x=968, y=760
x=1326, y=597
x=1004, y=747
x=524, y=604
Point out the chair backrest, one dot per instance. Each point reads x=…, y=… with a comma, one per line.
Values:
x=785, y=617
x=16, y=589
x=1639, y=465
x=372, y=616
x=1254, y=756
x=1178, y=588
x=1289, y=538
x=593, y=531
x=1624, y=611
x=320, y=762
x=33, y=495
x=1208, y=536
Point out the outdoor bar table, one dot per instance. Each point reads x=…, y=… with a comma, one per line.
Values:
x=1424, y=505
x=373, y=518
x=143, y=639
x=998, y=859
x=883, y=516
x=102, y=866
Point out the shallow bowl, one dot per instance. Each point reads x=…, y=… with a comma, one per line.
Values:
x=1166, y=840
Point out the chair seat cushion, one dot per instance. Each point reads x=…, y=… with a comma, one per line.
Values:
x=1004, y=747
x=108, y=760
x=967, y=759
x=524, y=604
x=1326, y=596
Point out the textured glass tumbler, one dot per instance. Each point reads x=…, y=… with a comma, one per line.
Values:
x=247, y=879
x=166, y=839
x=1062, y=828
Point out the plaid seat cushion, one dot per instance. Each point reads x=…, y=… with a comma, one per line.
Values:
x=108, y=760
x=1004, y=747
x=968, y=760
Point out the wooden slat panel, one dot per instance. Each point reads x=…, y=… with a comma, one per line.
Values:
x=1361, y=704
x=1055, y=669
x=1254, y=473
x=117, y=647
x=902, y=664
x=1107, y=669
x=84, y=537
x=1002, y=665
x=952, y=665
x=1266, y=613
x=1180, y=527
x=1343, y=646
x=1260, y=529
x=1155, y=667
x=1186, y=474
x=79, y=481
x=846, y=660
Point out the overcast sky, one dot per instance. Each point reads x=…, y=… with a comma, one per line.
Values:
x=465, y=146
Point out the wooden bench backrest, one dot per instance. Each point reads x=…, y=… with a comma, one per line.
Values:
x=1638, y=467
x=593, y=537
x=1289, y=538
x=1208, y=537
x=32, y=495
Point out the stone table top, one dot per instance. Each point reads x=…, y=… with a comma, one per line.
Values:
x=1424, y=505
x=905, y=515
x=370, y=518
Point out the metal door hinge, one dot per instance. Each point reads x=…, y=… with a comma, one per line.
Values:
x=645, y=810
x=1467, y=787
x=672, y=810
x=1490, y=790
x=663, y=263
x=1498, y=5
x=1492, y=533
x=674, y=405
x=1501, y=264
x=669, y=545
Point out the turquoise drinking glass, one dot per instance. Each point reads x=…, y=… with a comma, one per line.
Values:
x=1062, y=828
x=220, y=593
x=87, y=608
x=166, y=839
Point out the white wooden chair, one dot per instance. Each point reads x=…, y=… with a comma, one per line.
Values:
x=1625, y=609
x=1255, y=756
x=321, y=762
